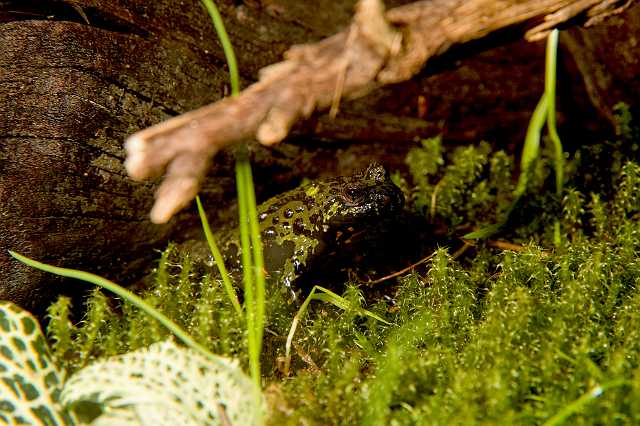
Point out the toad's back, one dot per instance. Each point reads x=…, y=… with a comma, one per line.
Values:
x=314, y=221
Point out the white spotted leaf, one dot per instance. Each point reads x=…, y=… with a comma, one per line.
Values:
x=30, y=383
x=165, y=384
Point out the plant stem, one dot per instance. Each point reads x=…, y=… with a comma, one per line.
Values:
x=227, y=48
x=217, y=256
x=123, y=293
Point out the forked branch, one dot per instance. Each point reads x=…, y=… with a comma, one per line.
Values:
x=377, y=48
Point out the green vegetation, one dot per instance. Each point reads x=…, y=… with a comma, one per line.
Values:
x=545, y=112
x=252, y=258
x=540, y=334
x=511, y=337
x=543, y=333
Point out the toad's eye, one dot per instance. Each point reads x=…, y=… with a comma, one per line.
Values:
x=352, y=195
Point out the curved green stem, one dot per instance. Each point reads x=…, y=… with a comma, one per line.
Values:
x=579, y=403
x=226, y=45
x=123, y=293
x=550, y=91
x=217, y=256
x=252, y=258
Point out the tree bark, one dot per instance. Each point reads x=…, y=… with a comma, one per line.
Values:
x=78, y=77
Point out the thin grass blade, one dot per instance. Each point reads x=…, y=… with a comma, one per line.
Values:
x=119, y=291
x=217, y=256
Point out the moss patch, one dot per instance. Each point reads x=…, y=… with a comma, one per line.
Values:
x=493, y=336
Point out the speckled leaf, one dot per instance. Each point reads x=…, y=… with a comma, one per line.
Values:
x=165, y=385
x=30, y=383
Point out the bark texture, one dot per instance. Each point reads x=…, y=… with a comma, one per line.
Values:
x=78, y=77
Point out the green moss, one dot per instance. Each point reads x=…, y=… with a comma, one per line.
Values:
x=444, y=195
x=492, y=337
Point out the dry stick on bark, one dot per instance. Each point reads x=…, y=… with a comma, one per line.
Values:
x=378, y=48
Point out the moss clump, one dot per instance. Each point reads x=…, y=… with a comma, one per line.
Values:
x=494, y=336
x=197, y=303
x=510, y=338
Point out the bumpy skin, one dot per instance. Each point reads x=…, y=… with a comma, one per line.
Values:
x=304, y=226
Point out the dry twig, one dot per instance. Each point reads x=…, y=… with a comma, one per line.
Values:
x=455, y=255
x=377, y=48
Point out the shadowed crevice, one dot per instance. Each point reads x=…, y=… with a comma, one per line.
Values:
x=62, y=11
